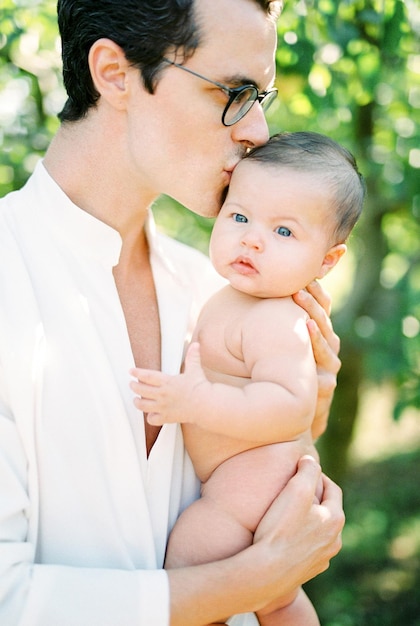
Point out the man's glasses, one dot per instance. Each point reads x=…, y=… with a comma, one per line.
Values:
x=240, y=100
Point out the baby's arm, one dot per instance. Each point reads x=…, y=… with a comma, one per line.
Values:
x=276, y=405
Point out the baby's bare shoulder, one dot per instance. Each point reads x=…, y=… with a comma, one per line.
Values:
x=276, y=308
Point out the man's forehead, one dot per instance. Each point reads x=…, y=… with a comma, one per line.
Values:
x=238, y=41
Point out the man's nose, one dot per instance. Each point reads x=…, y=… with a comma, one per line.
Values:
x=252, y=129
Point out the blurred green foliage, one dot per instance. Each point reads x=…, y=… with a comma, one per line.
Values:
x=350, y=69
x=30, y=87
x=375, y=579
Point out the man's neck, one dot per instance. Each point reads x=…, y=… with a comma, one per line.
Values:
x=88, y=164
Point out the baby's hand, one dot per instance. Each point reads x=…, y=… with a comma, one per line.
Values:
x=170, y=399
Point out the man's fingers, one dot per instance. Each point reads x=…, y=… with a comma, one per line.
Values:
x=332, y=500
x=318, y=311
x=324, y=352
x=295, y=499
x=321, y=296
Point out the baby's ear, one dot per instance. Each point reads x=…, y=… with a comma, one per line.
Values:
x=331, y=259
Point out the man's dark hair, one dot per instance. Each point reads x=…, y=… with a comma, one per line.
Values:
x=145, y=30
x=329, y=161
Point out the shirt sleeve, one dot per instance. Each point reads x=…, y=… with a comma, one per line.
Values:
x=48, y=595
x=98, y=597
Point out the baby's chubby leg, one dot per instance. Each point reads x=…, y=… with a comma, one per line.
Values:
x=204, y=533
x=208, y=530
x=294, y=611
x=233, y=501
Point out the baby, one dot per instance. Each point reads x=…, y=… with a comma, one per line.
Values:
x=246, y=398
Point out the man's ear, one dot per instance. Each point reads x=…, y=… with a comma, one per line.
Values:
x=108, y=67
x=331, y=259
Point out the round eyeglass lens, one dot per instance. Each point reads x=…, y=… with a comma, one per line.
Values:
x=269, y=99
x=240, y=105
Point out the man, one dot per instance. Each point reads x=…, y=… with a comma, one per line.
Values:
x=90, y=493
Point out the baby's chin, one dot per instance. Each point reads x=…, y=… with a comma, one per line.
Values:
x=259, y=293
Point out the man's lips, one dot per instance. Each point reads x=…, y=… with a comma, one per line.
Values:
x=228, y=175
x=229, y=169
x=243, y=265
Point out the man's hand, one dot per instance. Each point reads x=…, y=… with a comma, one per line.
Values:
x=299, y=531
x=325, y=346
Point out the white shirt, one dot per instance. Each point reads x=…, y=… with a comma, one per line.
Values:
x=84, y=514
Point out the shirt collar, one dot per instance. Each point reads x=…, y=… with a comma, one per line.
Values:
x=84, y=234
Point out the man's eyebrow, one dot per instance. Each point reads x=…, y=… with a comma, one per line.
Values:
x=238, y=80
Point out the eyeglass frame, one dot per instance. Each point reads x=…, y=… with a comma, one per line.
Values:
x=233, y=93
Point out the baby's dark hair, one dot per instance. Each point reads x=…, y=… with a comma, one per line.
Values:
x=317, y=154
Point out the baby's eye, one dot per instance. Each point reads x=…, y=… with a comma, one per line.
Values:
x=238, y=217
x=283, y=231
